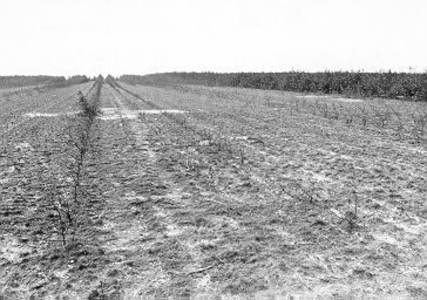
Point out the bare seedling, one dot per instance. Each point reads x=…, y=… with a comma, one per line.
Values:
x=381, y=116
x=364, y=115
x=352, y=215
x=399, y=120
x=335, y=111
x=303, y=192
x=64, y=224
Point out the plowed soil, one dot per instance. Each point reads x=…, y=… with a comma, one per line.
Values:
x=214, y=193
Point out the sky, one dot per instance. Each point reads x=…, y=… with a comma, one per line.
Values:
x=68, y=37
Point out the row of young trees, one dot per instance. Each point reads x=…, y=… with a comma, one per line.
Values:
x=67, y=203
x=357, y=84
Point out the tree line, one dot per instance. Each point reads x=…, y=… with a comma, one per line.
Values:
x=410, y=86
x=22, y=81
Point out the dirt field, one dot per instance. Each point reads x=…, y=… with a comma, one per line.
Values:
x=215, y=193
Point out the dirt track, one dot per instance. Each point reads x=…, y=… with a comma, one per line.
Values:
x=212, y=203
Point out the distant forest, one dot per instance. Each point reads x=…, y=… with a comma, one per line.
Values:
x=22, y=81
x=19, y=81
x=408, y=86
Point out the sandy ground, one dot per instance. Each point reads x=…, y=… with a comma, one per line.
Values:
x=242, y=196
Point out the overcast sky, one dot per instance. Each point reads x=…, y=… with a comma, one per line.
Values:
x=65, y=37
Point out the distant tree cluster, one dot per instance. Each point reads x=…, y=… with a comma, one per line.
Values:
x=77, y=79
x=359, y=84
x=110, y=80
x=20, y=81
